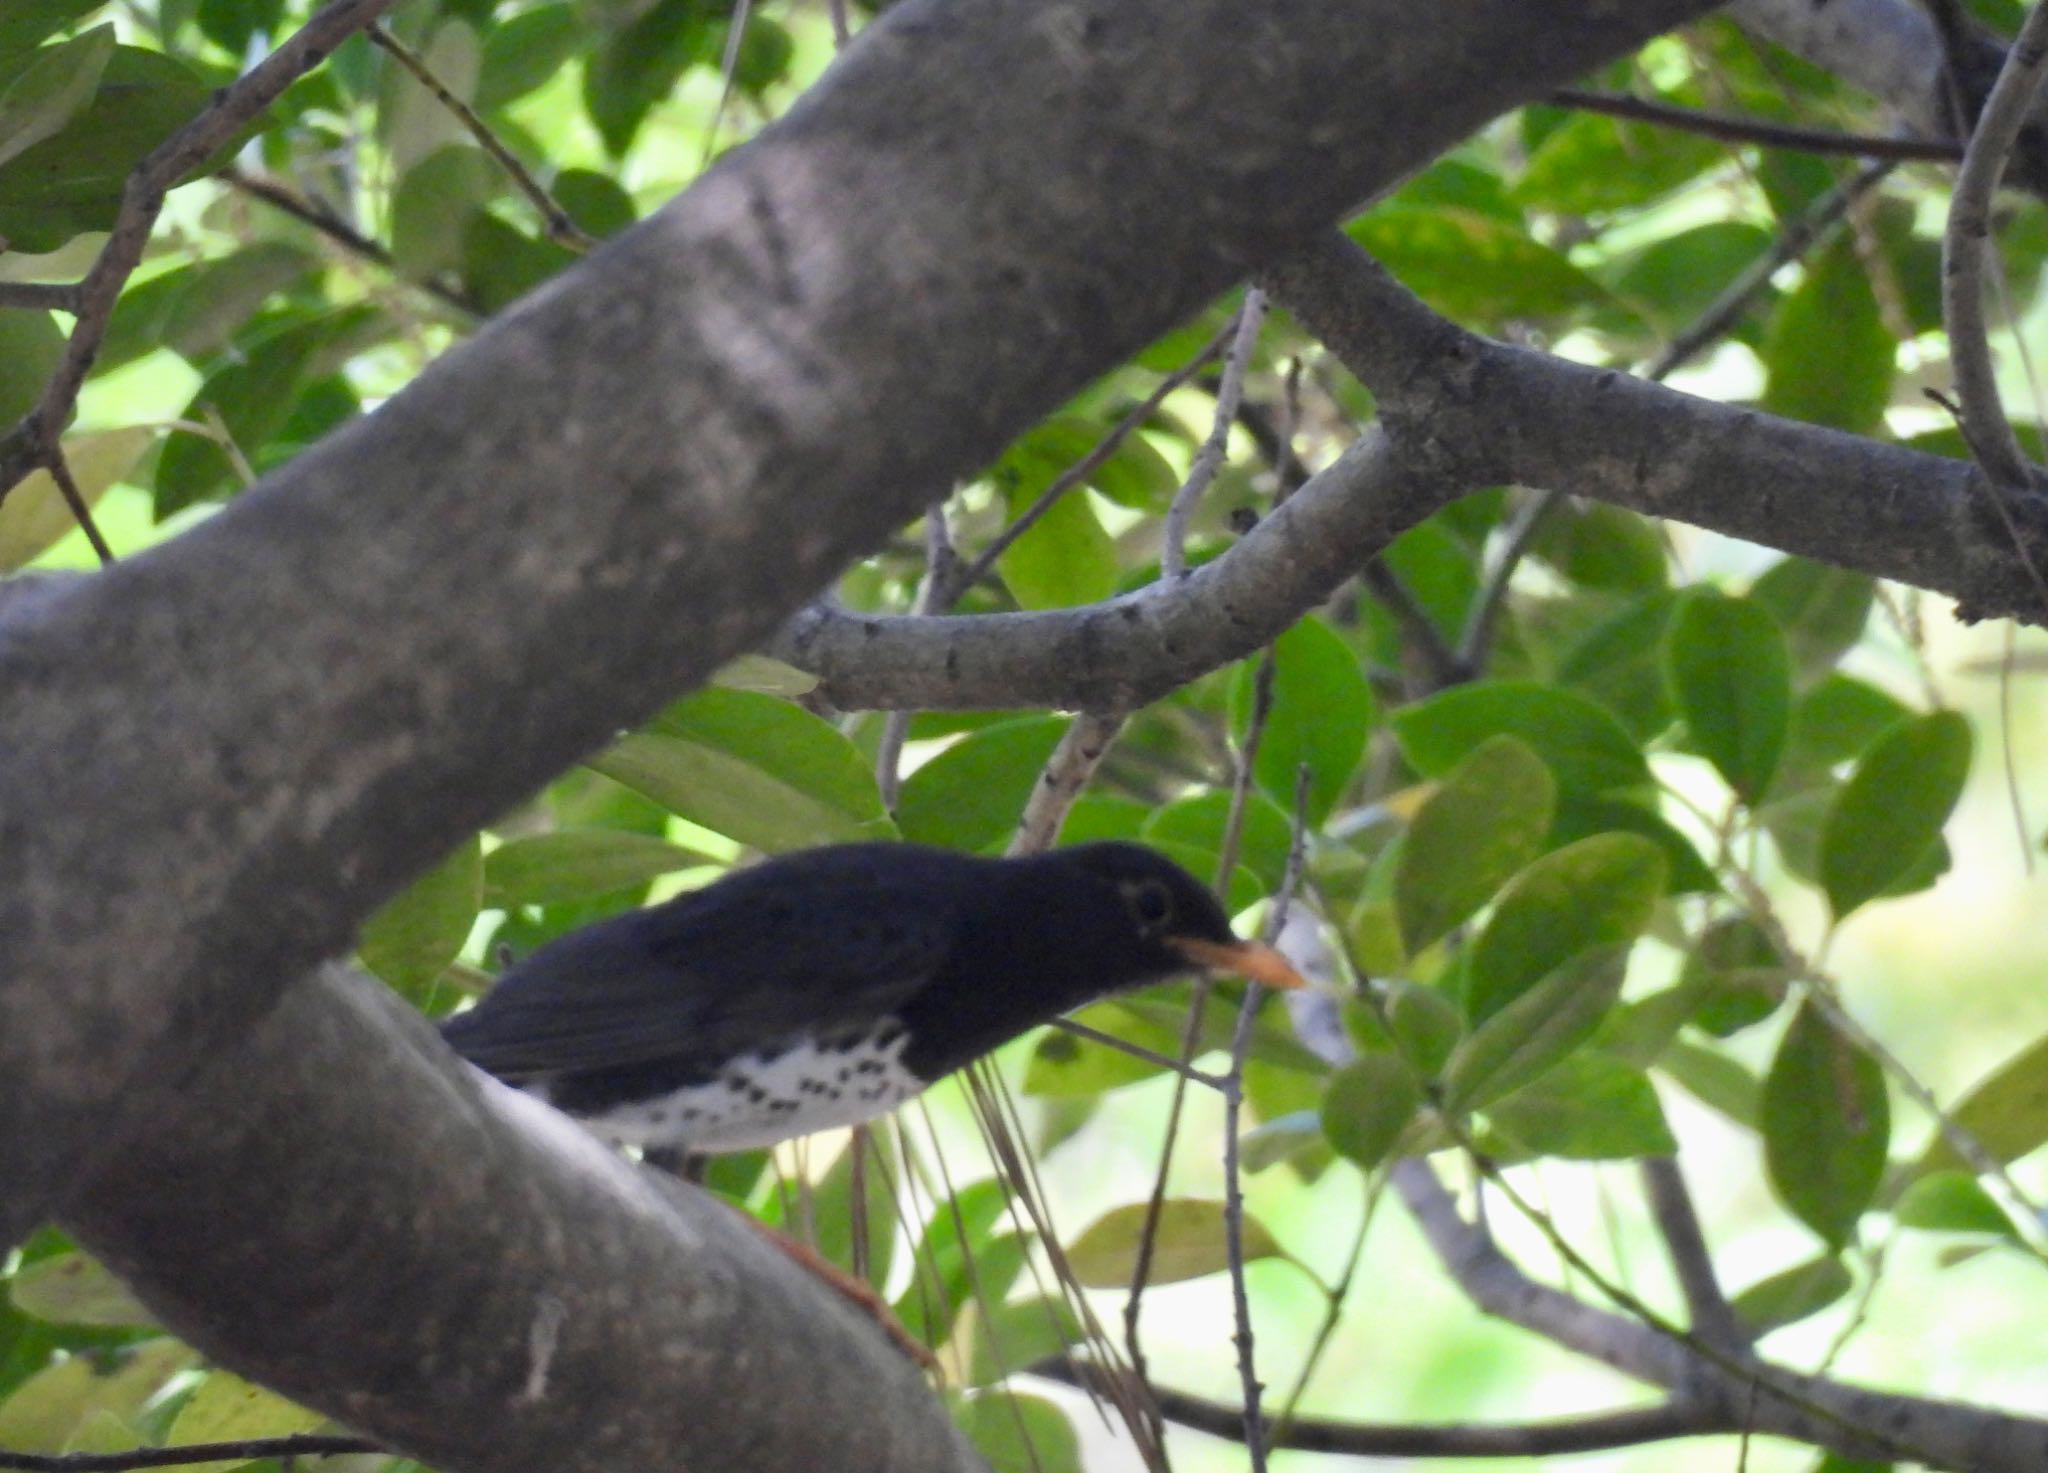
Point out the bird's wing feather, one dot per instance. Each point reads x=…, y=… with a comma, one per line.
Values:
x=713, y=974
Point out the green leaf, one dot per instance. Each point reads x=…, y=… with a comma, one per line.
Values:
x=1592, y=164
x=226, y=1408
x=1673, y=280
x=1828, y=357
x=1952, y=1202
x=578, y=864
x=1892, y=810
x=35, y=516
x=1598, y=893
x=1536, y=1030
x=71, y=182
x=1835, y=722
x=966, y=1255
x=1619, y=662
x=1588, y=1107
x=47, y=1409
x=1790, y=1296
x=1585, y=748
x=1368, y=1104
x=1064, y=559
x=1581, y=817
x=1826, y=1126
x=1019, y=1433
x=433, y=205
x=521, y=52
x=1605, y=547
x=47, y=94
x=25, y=24
x=1484, y=823
x=31, y=346
x=1001, y=1339
x=971, y=795
x=2006, y=1112
x=1321, y=715
x=1821, y=608
x=1188, y=1245
x=75, y=1289
x=1200, y=822
x=1714, y=1079
x=252, y=398
x=757, y=769
x=413, y=938
x=1732, y=682
x=1476, y=268
x=640, y=66
x=1064, y=1065
x=1734, y=976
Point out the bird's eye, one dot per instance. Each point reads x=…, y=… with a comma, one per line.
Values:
x=1149, y=904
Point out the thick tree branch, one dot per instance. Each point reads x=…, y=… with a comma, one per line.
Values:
x=222, y=755
x=1731, y=1390
x=333, y=1226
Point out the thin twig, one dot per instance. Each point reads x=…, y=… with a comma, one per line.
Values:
x=935, y=594
x=560, y=228
x=1965, y=247
x=1592, y=1432
x=1067, y=771
x=1139, y=1051
x=1233, y=1108
x=42, y=296
x=81, y=512
x=300, y=1445
x=1735, y=128
x=1713, y=1319
x=1079, y=472
x=1173, y=550
x=33, y=441
x=315, y=214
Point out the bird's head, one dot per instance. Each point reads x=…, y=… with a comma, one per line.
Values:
x=1168, y=920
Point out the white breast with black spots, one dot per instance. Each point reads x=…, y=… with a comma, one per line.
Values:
x=766, y=1098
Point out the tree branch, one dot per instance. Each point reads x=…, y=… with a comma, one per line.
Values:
x=578, y=1312
x=312, y=694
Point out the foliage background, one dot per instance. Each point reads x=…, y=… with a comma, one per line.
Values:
x=251, y=331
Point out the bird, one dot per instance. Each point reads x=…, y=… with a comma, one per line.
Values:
x=823, y=988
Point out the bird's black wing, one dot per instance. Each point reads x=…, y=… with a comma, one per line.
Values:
x=713, y=974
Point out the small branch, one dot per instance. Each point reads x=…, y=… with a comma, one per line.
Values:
x=1734, y=128
x=1079, y=472
x=1072, y=764
x=1138, y=1051
x=1965, y=247
x=1590, y=1433
x=560, y=228
x=33, y=441
x=81, y=512
x=1713, y=1320
x=1173, y=550
x=316, y=215
x=42, y=296
x=935, y=594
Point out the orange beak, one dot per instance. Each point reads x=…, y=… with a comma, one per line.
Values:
x=1251, y=959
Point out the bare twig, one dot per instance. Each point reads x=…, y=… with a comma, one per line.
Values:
x=935, y=594
x=42, y=296
x=1965, y=246
x=33, y=441
x=1173, y=549
x=313, y=213
x=560, y=228
x=1737, y=129
x=81, y=512
x=300, y=1445
x=1072, y=764
x=1713, y=1320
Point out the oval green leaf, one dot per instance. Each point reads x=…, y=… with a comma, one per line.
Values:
x=1188, y=1245
x=1597, y=893
x=1586, y=749
x=1536, y=1030
x=1890, y=813
x=2006, y=1112
x=578, y=864
x=1321, y=715
x=1790, y=1296
x=1732, y=682
x=1368, y=1104
x=757, y=769
x=413, y=938
x=1486, y=821
x=1588, y=1107
x=1826, y=1124
x=971, y=795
